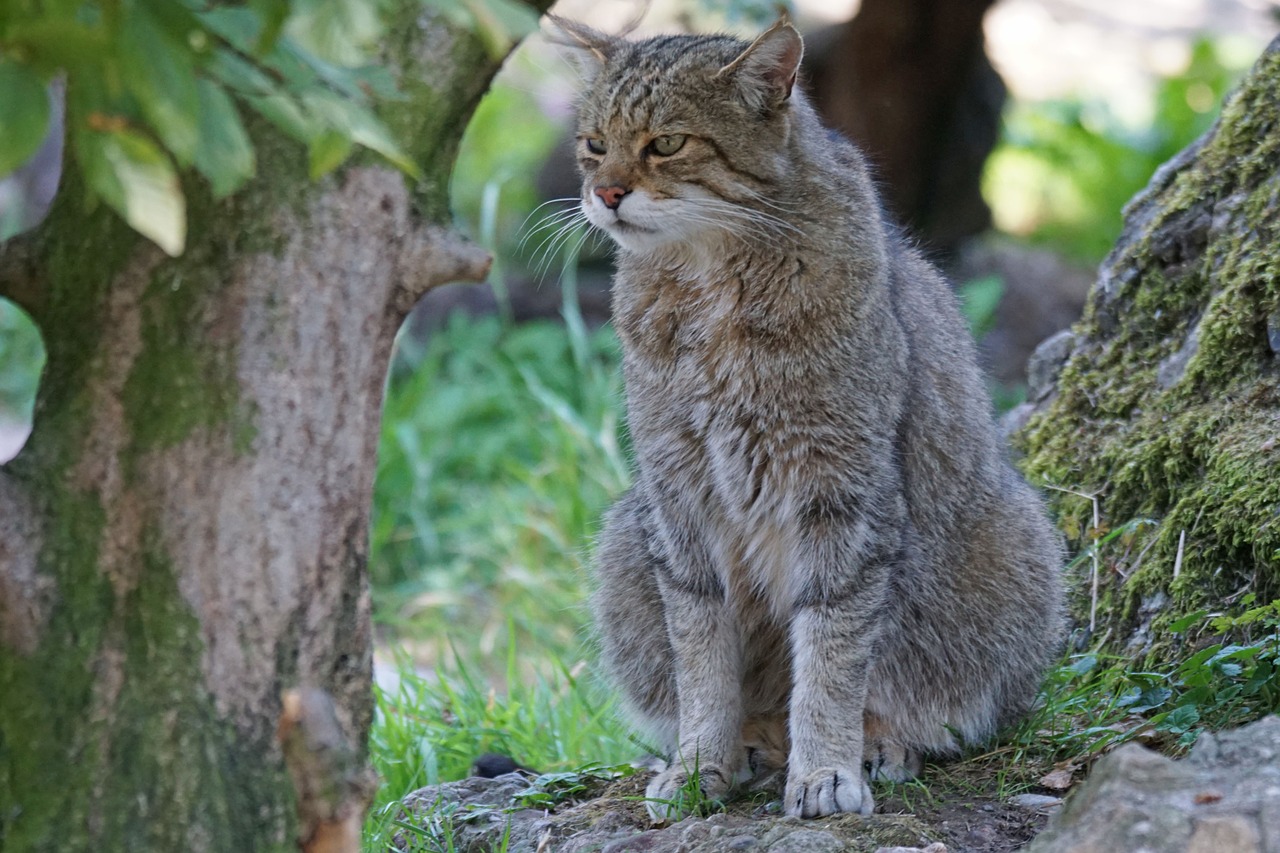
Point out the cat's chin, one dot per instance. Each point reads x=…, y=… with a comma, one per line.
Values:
x=676, y=248
x=639, y=242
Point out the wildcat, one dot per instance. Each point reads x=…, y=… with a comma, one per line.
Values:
x=825, y=560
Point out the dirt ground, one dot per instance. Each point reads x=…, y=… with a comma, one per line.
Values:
x=965, y=804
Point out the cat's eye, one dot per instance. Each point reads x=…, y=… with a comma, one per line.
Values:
x=594, y=144
x=665, y=146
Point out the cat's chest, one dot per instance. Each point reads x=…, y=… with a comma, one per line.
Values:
x=690, y=338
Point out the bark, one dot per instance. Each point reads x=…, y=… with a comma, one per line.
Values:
x=1167, y=406
x=910, y=82
x=183, y=540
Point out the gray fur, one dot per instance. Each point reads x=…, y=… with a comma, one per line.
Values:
x=824, y=534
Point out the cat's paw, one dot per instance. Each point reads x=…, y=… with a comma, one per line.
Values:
x=673, y=794
x=828, y=790
x=888, y=761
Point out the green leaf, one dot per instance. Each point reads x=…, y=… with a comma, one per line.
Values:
x=54, y=43
x=240, y=75
x=327, y=151
x=358, y=123
x=1178, y=720
x=24, y=115
x=132, y=175
x=161, y=75
x=273, y=13
x=224, y=154
x=237, y=25
x=282, y=111
x=1180, y=625
x=337, y=30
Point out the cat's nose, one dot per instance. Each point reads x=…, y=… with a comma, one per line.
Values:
x=611, y=196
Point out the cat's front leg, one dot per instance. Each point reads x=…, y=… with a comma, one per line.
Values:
x=831, y=663
x=843, y=571
x=707, y=647
x=706, y=644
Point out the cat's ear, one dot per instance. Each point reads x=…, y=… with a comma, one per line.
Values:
x=766, y=71
x=589, y=49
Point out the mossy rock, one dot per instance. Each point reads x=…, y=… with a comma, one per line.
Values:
x=1167, y=399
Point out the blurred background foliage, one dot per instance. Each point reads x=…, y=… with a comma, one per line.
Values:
x=153, y=87
x=1064, y=169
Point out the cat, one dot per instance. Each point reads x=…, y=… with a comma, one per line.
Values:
x=825, y=560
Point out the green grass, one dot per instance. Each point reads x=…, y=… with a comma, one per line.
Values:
x=430, y=728
x=501, y=446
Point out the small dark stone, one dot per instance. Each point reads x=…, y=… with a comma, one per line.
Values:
x=491, y=765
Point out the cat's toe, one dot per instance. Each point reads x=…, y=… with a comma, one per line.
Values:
x=826, y=791
x=675, y=792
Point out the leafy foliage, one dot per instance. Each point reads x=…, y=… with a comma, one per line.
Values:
x=1230, y=675
x=1065, y=169
x=156, y=86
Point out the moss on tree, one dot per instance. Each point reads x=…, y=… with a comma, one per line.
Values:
x=147, y=468
x=1168, y=407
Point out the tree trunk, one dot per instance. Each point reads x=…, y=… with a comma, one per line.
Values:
x=910, y=82
x=1167, y=407
x=183, y=541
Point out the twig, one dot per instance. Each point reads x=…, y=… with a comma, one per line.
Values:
x=1138, y=562
x=1177, y=561
x=1095, y=570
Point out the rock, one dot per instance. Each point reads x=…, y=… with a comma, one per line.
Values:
x=1035, y=802
x=1046, y=363
x=1170, y=389
x=1223, y=798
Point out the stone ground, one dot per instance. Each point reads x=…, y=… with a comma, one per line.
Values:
x=1222, y=798
x=958, y=809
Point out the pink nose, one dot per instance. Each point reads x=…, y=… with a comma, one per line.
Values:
x=611, y=196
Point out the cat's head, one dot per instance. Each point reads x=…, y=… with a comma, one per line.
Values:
x=681, y=137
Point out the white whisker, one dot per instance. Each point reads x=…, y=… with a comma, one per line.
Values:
x=549, y=222
x=556, y=227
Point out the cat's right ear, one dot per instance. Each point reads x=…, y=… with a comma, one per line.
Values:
x=766, y=71
x=587, y=48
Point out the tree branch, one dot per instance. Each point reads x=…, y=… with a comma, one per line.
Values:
x=333, y=788
x=431, y=256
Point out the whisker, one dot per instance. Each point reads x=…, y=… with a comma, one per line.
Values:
x=551, y=221
x=557, y=243
x=766, y=220
x=557, y=226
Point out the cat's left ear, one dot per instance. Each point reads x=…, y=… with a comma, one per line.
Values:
x=766, y=71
